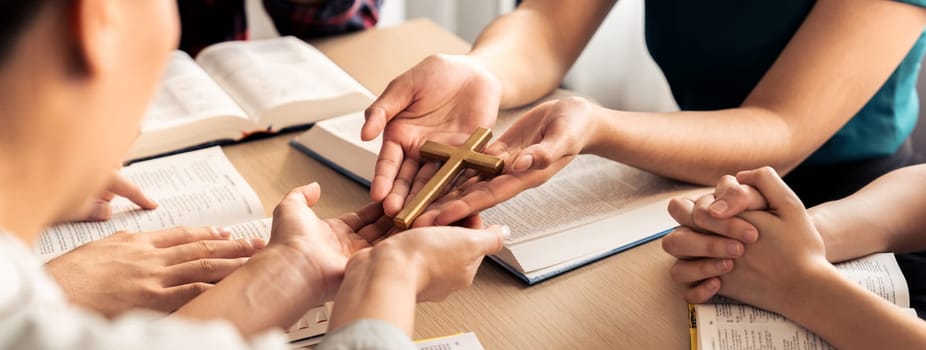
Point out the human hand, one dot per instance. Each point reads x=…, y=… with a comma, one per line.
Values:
x=436, y=260
x=710, y=236
x=444, y=99
x=788, y=252
x=538, y=145
x=422, y=264
x=326, y=244
x=160, y=270
x=98, y=209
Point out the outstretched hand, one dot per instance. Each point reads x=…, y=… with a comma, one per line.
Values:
x=444, y=99
x=537, y=146
x=327, y=244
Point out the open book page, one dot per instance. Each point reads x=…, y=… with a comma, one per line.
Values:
x=590, y=188
x=186, y=94
x=736, y=326
x=200, y=188
x=880, y=274
x=731, y=325
x=265, y=74
x=252, y=229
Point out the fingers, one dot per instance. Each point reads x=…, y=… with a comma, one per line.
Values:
x=367, y=215
x=780, y=197
x=475, y=222
x=695, y=214
x=702, y=292
x=424, y=175
x=388, y=163
x=732, y=198
x=692, y=271
x=377, y=231
x=183, y=235
x=174, y=297
x=122, y=187
x=95, y=210
x=685, y=243
x=212, y=250
x=397, y=96
x=481, y=197
x=552, y=148
x=394, y=202
x=204, y=270
x=558, y=138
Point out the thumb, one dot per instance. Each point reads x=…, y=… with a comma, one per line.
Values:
x=732, y=198
x=492, y=239
x=779, y=196
x=556, y=144
x=307, y=195
x=397, y=96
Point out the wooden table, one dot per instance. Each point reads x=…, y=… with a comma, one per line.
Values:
x=626, y=301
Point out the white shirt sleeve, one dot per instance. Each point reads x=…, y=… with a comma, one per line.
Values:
x=367, y=334
x=34, y=314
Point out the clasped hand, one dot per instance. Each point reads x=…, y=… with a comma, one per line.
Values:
x=751, y=240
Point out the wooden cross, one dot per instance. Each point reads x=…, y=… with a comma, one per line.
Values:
x=455, y=160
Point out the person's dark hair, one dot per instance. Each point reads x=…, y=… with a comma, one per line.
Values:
x=15, y=17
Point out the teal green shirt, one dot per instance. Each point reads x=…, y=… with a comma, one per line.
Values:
x=713, y=53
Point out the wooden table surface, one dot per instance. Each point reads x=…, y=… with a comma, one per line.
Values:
x=626, y=301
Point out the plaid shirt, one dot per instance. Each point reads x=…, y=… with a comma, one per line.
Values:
x=206, y=22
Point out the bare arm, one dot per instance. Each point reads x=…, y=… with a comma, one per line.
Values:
x=301, y=267
x=850, y=317
x=885, y=216
x=793, y=110
x=532, y=48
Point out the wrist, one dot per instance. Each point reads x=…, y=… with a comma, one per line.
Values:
x=601, y=135
x=396, y=264
x=376, y=286
x=494, y=73
x=810, y=290
x=291, y=265
x=822, y=223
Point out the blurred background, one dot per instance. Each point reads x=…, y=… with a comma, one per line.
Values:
x=615, y=68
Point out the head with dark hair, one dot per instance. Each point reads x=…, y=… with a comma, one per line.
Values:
x=15, y=16
x=76, y=77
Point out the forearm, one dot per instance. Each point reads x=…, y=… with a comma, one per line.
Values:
x=699, y=147
x=792, y=110
x=272, y=290
x=850, y=317
x=532, y=48
x=377, y=285
x=885, y=216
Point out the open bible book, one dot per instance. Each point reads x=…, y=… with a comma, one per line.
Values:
x=592, y=209
x=238, y=88
x=725, y=324
x=200, y=188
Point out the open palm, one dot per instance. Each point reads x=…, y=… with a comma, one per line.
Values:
x=329, y=243
x=443, y=99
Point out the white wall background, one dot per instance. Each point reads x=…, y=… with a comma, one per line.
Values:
x=614, y=69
